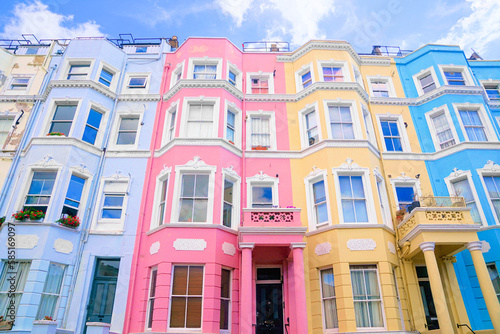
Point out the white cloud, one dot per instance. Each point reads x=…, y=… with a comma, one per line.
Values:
x=300, y=19
x=36, y=18
x=235, y=8
x=478, y=29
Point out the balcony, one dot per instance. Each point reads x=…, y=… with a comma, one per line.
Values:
x=435, y=214
x=272, y=217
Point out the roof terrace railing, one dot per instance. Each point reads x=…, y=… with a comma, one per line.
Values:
x=266, y=46
x=388, y=51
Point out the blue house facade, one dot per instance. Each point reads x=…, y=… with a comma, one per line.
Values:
x=454, y=104
x=84, y=156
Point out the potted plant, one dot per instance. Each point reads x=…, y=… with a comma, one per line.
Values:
x=58, y=134
x=44, y=326
x=28, y=214
x=5, y=325
x=2, y=220
x=400, y=214
x=69, y=221
x=259, y=148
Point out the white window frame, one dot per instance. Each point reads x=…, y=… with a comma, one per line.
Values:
x=59, y=295
x=116, y=127
x=405, y=181
x=11, y=91
x=323, y=319
x=334, y=63
x=231, y=175
x=457, y=68
x=104, y=120
x=87, y=176
x=106, y=224
x=304, y=140
x=387, y=80
x=260, y=75
x=405, y=142
x=298, y=76
x=369, y=129
x=5, y=269
x=195, y=166
x=237, y=122
x=12, y=118
x=432, y=129
x=52, y=109
x=354, y=170
x=148, y=307
x=490, y=169
x=205, y=61
x=316, y=176
x=173, y=108
x=423, y=73
x=483, y=116
x=272, y=127
x=183, y=133
x=382, y=308
x=39, y=167
x=357, y=76
x=230, y=67
x=179, y=68
x=262, y=180
x=111, y=69
x=383, y=197
x=354, y=117
x=184, y=329
x=68, y=62
x=490, y=82
x=164, y=175
x=141, y=90
x=460, y=175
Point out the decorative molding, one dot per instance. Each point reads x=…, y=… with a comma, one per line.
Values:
x=427, y=246
x=315, y=172
x=228, y=249
x=349, y=226
x=166, y=170
x=230, y=170
x=391, y=247
x=349, y=164
x=128, y=154
x=261, y=176
x=196, y=83
x=486, y=247
x=361, y=244
x=139, y=97
x=323, y=248
x=475, y=245
x=78, y=84
x=20, y=98
x=196, y=163
x=491, y=167
x=25, y=241
x=190, y=244
x=63, y=246
x=154, y=248
x=457, y=173
x=46, y=162
x=198, y=142
x=442, y=153
x=82, y=169
x=62, y=141
x=403, y=179
x=117, y=176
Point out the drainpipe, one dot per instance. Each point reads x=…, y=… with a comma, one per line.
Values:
x=140, y=223
x=93, y=194
x=24, y=140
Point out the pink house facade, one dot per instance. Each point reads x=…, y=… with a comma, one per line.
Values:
x=219, y=245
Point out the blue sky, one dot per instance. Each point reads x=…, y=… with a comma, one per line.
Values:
x=405, y=23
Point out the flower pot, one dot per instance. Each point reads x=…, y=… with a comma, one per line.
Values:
x=6, y=325
x=259, y=148
x=44, y=327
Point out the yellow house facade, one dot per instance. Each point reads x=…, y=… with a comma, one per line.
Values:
x=22, y=72
x=366, y=268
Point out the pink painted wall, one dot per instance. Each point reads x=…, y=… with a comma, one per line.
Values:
x=213, y=258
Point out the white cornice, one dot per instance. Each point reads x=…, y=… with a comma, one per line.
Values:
x=273, y=230
x=195, y=83
x=139, y=97
x=198, y=142
x=191, y=226
x=78, y=84
x=349, y=226
x=443, y=153
x=334, y=46
x=445, y=228
x=460, y=90
x=20, y=98
x=128, y=154
x=62, y=141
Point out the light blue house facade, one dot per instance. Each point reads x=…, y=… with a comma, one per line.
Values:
x=102, y=96
x=456, y=120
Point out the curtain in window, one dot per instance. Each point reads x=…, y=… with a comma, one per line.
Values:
x=367, y=299
x=51, y=291
x=329, y=302
x=463, y=189
x=261, y=135
x=200, y=120
x=473, y=125
x=21, y=269
x=493, y=186
x=443, y=131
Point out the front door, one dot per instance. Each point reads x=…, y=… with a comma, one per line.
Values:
x=102, y=296
x=425, y=291
x=269, y=309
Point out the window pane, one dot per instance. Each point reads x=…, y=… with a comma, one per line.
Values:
x=201, y=189
x=262, y=195
x=327, y=283
x=195, y=280
x=178, y=312
x=319, y=192
x=193, y=313
x=405, y=194
x=64, y=112
x=129, y=123
x=186, y=210
x=137, y=82
x=89, y=135
x=108, y=268
x=126, y=138
x=180, y=280
x=228, y=191
x=94, y=118
x=200, y=210
x=113, y=200
x=225, y=283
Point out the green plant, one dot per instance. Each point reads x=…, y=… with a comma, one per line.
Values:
x=69, y=221
x=2, y=220
x=47, y=318
x=55, y=134
x=28, y=214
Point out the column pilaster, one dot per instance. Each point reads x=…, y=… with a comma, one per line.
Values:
x=246, y=289
x=300, y=287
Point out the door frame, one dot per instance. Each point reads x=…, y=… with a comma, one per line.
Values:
x=425, y=279
x=268, y=282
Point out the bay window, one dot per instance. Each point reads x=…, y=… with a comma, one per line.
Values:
x=367, y=296
x=194, y=198
x=186, y=297
x=40, y=190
